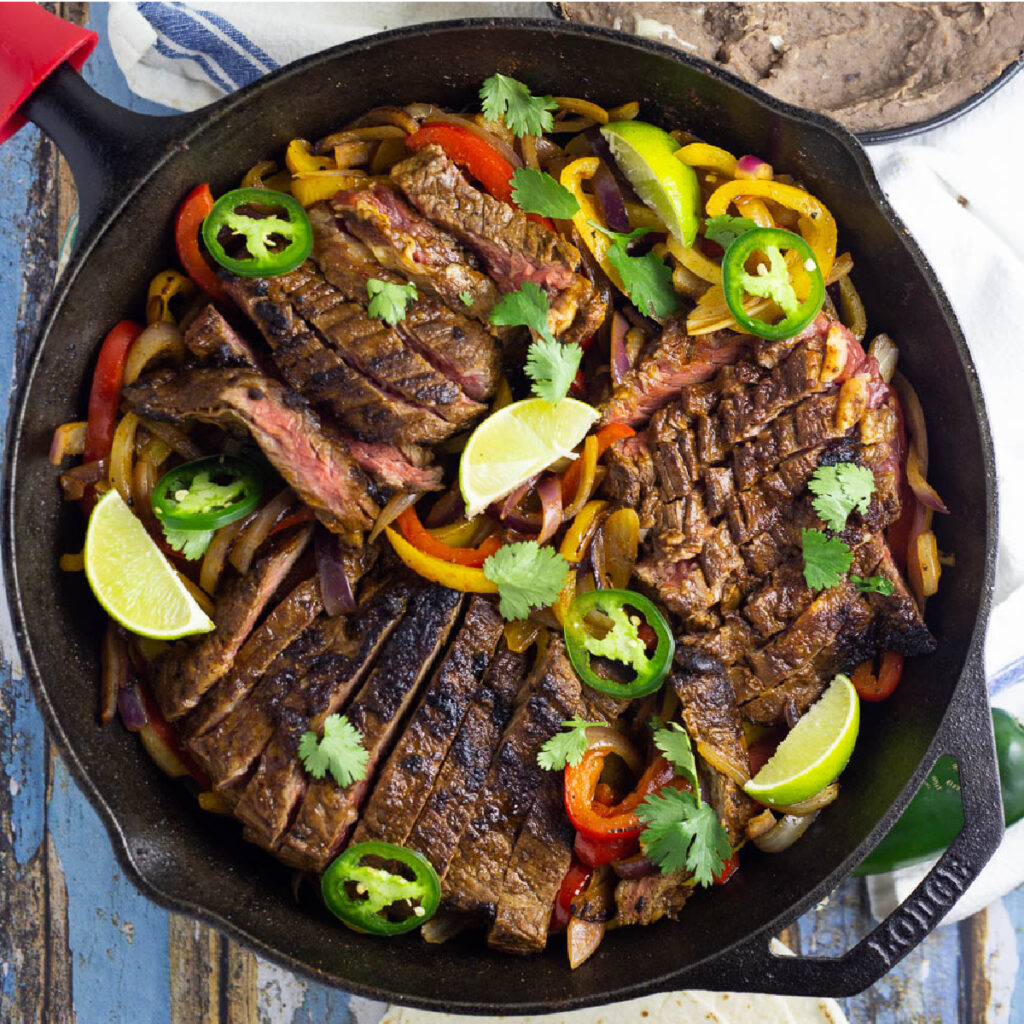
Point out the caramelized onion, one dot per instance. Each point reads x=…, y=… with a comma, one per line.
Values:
x=917, y=456
x=813, y=803
x=259, y=529
x=610, y=741
x=75, y=481
x=335, y=586
x=620, y=361
x=549, y=490
x=615, y=547
x=391, y=511
x=721, y=762
x=886, y=354
x=175, y=439
x=114, y=668
x=785, y=833
x=158, y=339
x=217, y=553
x=637, y=866
x=68, y=439
x=582, y=939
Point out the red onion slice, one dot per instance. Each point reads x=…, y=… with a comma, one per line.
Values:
x=753, y=167
x=335, y=588
x=620, y=361
x=606, y=188
x=131, y=709
x=549, y=490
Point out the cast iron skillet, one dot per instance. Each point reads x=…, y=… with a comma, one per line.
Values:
x=133, y=171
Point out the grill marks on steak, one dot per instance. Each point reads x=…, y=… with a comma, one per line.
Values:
x=188, y=670
x=404, y=783
x=446, y=337
x=328, y=812
x=213, y=340
x=720, y=476
x=464, y=772
x=327, y=376
x=315, y=463
x=512, y=248
x=269, y=799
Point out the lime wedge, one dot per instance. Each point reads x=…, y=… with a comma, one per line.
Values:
x=133, y=580
x=516, y=443
x=646, y=156
x=815, y=751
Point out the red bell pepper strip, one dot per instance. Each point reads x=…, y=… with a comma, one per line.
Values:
x=598, y=821
x=575, y=881
x=473, y=155
x=105, y=393
x=305, y=515
x=191, y=214
x=606, y=437
x=873, y=687
x=594, y=853
x=728, y=870
x=417, y=535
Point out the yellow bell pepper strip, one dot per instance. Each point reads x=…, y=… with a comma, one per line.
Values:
x=641, y=216
x=164, y=287
x=298, y=157
x=573, y=547
x=695, y=261
x=459, y=534
x=700, y=154
x=572, y=177
x=465, y=578
x=816, y=224
x=310, y=187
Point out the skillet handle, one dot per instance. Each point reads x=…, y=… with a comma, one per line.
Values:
x=966, y=733
x=110, y=149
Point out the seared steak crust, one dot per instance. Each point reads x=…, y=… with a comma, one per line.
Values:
x=188, y=670
x=213, y=340
x=328, y=811
x=315, y=462
x=405, y=781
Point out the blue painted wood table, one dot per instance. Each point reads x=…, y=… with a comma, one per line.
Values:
x=78, y=943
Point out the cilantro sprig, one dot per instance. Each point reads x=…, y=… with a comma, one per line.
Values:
x=528, y=576
x=682, y=833
x=565, y=747
x=524, y=113
x=536, y=192
x=872, y=584
x=527, y=307
x=725, y=229
x=841, y=489
x=647, y=279
x=191, y=543
x=826, y=559
x=388, y=301
x=340, y=752
x=674, y=742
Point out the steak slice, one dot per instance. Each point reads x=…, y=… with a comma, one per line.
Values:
x=512, y=248
x=711, y=717
x=314, y=462
x=329, y=811
x=405, y=782
x=475, y=879
x=464, y=772
x=397, y=469
x=322, y=374
x=210, y=730
x=668, y=364
x=186, y=671
x=271, y=797
x=381, y=353
x=448, y=339
x=408, y=244
x=212, y=339
x=540, y=859
x=649, y=899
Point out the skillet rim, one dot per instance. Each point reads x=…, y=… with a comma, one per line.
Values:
x=200, y=121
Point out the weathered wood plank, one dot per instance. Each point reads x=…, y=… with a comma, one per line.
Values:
x=195, y=971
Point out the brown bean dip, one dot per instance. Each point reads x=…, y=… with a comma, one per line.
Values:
x=871, y=66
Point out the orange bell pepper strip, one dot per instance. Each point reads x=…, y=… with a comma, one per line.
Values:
x=873, y=687
x=191, y=214
x=466, y=578
x=417, y=534
x=606, y=437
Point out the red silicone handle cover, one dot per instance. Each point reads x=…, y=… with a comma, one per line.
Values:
x=33, y=44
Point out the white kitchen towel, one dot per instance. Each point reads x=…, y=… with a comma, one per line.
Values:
x=956, y=188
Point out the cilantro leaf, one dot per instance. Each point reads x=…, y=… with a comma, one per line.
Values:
x=826, y=559
x=552, y=366
x=191, y=543
x=528, y=576
x=622, y=642
x=537, y=192
x=725, y=229
x=647, y=279
x=524, y=113
x=772, y=281
x=872, y=584
x=683, y=834
x=565, y=747
x=340, y=752
x=388, y=301
x=840, y=489
x=527, y=307
x=466, y=298
x=673, y=741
